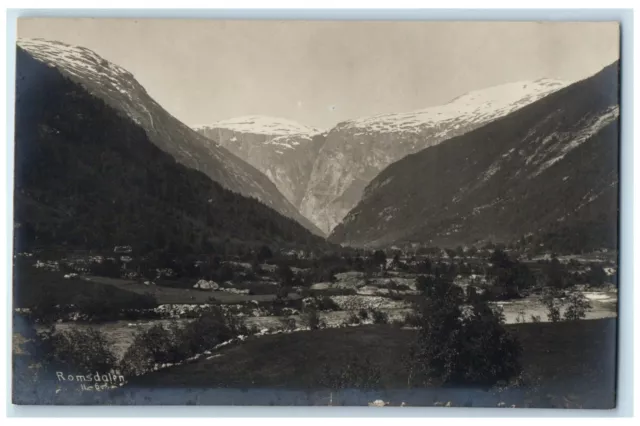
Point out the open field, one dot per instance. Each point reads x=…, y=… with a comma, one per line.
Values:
x=36, y=284
x=573, y=363
x=176, y=295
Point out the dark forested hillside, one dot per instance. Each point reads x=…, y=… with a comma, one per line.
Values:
x=120, y=90
x=549, y=169
x=87, y=176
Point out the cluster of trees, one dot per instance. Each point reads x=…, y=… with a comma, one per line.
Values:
x=458, y=345
x=174, y=343
x=575, y=306
x=509, y=276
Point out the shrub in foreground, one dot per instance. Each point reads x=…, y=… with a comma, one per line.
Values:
x=459, y=346
x=379, y=317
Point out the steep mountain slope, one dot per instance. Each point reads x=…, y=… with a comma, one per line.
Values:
x=87, y=176
x=119, y=89
x=283, y=150
x=551, y=166
x=356, y=151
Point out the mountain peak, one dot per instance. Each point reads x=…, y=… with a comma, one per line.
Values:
x=262, y=125
x=550, y=167
x=477, y=105
x=75, y=58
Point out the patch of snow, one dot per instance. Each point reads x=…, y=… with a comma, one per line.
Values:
x=259, y=124
x=478, y=105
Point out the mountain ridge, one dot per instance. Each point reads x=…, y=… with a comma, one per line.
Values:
x=492, y=173
x=336, y=167
x=357, y=150
x=118, y=87
x=89, y=177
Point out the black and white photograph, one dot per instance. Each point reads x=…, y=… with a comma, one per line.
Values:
x=316, y=213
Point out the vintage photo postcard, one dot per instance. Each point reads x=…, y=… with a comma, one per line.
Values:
x=324, y=213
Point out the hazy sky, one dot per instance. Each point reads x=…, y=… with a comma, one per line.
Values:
x=323, y=72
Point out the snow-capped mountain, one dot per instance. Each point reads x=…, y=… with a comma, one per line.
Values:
x=263, y=125
x=549, y=168
x=356, y=151
x=476, y=106
x=120, y=90
x=281, y=149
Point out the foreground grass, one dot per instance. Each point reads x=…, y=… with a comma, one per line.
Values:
x=568, y=364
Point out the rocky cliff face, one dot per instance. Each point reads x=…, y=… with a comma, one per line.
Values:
x=284, y=151
x=549, y=167
x=120, y=90
x=356, y=151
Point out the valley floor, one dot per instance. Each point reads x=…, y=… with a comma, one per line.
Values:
x=121, y=333
x=566, y=364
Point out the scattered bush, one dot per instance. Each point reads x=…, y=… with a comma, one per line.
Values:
x=311, y=319
x=379, y=317
x=353, y=319
x=323, y=303
x=327, y=304
x=553, y=305
x=577, y=307
x=288, y=324
x=363, y=314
